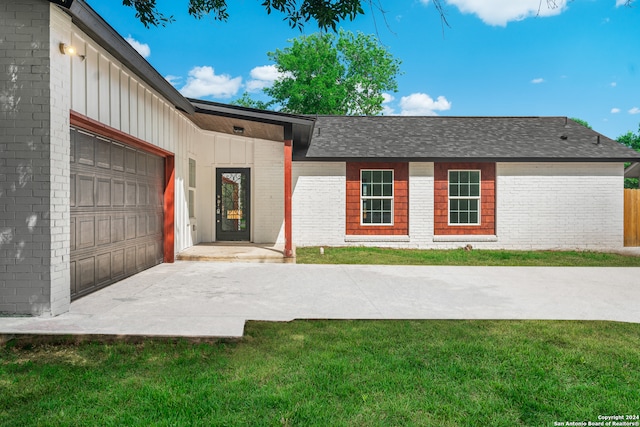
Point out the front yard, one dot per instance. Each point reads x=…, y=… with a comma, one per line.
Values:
x=382, y=256
x=338, y=373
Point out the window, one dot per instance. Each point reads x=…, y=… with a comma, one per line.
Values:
x=376, y=197
x=464, y=197
x=192, y=188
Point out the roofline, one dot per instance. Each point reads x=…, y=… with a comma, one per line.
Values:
x=98, y=29
x=264, y=116
x=633, y=171
x=469, y=159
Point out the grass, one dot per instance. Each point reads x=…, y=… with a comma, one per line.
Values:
x=383, y=256
x=338, y=373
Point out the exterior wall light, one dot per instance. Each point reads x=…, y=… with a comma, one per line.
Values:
x=66, y=49
x=238, y=130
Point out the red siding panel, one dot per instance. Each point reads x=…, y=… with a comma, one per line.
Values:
x=487, y=206
x=400, y=225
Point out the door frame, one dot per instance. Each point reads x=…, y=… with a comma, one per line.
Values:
x=232, y=236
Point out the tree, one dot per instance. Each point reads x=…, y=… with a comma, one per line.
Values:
x=325, y=74
x=582, y=122
x=631, y=140
x=327, y=13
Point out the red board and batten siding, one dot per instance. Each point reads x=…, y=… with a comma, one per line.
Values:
x=400, y=225
x=487, y=196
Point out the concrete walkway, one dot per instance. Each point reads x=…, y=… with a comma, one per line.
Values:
x=202, y=299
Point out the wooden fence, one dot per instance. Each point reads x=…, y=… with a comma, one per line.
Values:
x=631, y=217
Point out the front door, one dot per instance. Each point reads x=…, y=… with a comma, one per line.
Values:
x=232, y=204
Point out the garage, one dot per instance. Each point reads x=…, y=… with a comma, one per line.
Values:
x=116, y=211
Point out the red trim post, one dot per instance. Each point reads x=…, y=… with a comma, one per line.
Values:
x=169, y=209
x=288, y=242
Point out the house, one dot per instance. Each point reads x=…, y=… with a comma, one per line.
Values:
x=106, y=170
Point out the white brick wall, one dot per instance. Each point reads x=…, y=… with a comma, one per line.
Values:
x=539, y=206
x=560, y=205
x=318, y=204
x=268, y=192
x=59, y=217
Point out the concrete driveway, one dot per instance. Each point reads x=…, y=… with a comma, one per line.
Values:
x=204, y=299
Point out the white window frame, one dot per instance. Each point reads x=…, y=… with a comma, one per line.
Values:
x=469, y=197
x=371, y=197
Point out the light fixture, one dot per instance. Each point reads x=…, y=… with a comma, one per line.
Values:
x=238, y=130
x=66, y=49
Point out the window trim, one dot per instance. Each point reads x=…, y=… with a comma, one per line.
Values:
x=478, y=198
x=392, y=197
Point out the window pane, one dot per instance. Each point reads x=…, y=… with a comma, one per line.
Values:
x=475, y=190
x=387, y=190
x=454, y=205
x=386, y=205
x=365, y=189
x=464, y=176
x=453, y=190
x=386, y=218
x=377, y=176
x=453, y=217
x=464, y=205
x=464, y=190
x=192, y=173
x=473, y=218
x=377, y=189
x=366, y=218
x=365, y=176
x=473, y=204
x=454, y=177
x=464, y=218
x=377, y=204
x=387, y=176
x=474, y=177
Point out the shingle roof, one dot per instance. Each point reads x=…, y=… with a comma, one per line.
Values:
x=460, y=138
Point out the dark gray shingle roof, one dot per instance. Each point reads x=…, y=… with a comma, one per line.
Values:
x=461, y=138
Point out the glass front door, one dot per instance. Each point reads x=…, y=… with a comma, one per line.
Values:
x=232, y=204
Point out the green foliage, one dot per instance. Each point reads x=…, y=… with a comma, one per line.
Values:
x=631, y=140
x=582, y=122
x=323, y=74
x=246, y=101
x=334, y=373
x=386, y=256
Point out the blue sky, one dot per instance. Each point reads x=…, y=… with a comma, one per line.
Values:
x=499, y=57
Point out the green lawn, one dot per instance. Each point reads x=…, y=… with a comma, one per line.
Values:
x=363, y=255
x=334, y=373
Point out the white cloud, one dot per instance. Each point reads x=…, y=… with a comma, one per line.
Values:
x=614, y=84
x=620, y=3
x=421, y=104
x=203, y=82
x=264, y=76
x=143, y=49
x=537, y=81
x=634, y=110
x=387, y=98
x=500, y=12
x=615, y=110
x=173, y=80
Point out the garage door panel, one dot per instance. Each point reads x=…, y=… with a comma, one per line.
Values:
x=103, y=153
x=85, y=232
x=117, y=157
x=104, y=192
x=116, y=212
x=104, y=231
x=85, y=191
x=85, y=148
